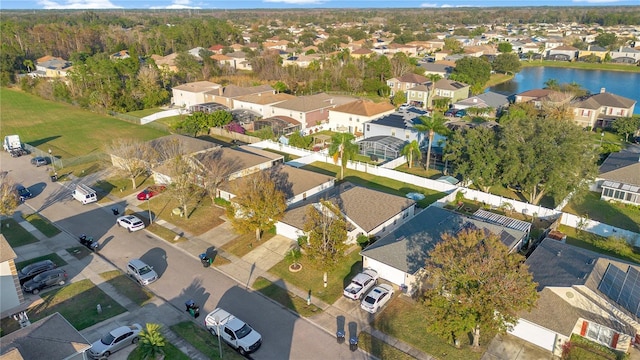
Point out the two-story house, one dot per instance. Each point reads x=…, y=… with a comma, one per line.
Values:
x=406, y=82
x=421, y=95
x=492, y=102
x=625, y=55
x=450, y=89
x=312, y=111
x=193, y=93
x=594, y=50
x=52, y=67
x=601, y=110
x=352, y=116
x=399, y=125
x=563, y=53
x=260, y=103
x=538, y=97
x=227, y=95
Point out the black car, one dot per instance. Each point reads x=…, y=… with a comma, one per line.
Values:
x=28, y=272
x=44, y=280
x=23, y=192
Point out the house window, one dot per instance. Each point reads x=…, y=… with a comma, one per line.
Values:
x=350, y=118
x=358, y=120
x=599, y=333
x=368, y=127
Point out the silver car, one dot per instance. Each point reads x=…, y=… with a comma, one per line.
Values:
x=115, y=340
x=143, y=273
x=376, y=298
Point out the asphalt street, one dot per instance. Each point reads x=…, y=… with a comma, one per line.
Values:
x=182, y=277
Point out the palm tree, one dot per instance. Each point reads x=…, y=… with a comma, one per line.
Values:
x=431, y=125
x=343, y=148
x=410, y=151
x=152, y=342
x=28, y=63
x=552, y=84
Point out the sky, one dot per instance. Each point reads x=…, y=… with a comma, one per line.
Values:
x=294, y=4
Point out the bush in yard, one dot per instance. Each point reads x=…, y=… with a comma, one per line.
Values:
x=235, y=127
x=152, y=342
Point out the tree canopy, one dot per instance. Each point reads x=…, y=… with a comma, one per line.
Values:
x=343, y=149
x=473, y=71
x=475, y=156
x=506, y=63
x=475, y=284
x=626, y=126
x=430, y=125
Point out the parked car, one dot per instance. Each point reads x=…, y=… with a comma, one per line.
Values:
x=44, y=280
x=235, y=332
x=460, y=113
x=23, y=192
x=130, y=222
x=143, y=273
x=39, y=161
x=30, y=271
x=376, y=298
x=360, y=284
x=115, y=340
x=450, y=112
x=151, y=191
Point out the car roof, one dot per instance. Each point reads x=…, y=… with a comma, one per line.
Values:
x=53, y=271
x=120, y=330
x=39, y=263
x=379, y=290
x=137, y=263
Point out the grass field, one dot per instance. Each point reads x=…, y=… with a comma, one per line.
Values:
x=42, y=224
x=202, y=340
x=285, y=298
x=65, y=129
x=615, y=214
x=127, y=287
x=15, y=234
x=53, y=257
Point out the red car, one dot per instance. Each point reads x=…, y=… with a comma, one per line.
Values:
x=151, y=191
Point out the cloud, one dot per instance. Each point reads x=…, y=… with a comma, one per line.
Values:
x=78, y=4
x=177, y=4
x=429, y=5
x=295, y=2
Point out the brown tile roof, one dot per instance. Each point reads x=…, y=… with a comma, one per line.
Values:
x=365, y=207
x=6, y=252
x=197, y=86
x=365, y=108
x=447, y=84
x=536, y=93
x=313, y=102
x=362, y=51
x=263, y=99
x=413, y=78
x=220, y=57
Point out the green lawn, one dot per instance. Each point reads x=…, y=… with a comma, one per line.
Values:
x=311, y=278
x=79, y=252
x=244, y=243
x=127, y=287
x=202, y=340
x=42, y=224
x=65, y=129
x=53, y=257
x=379, y=348
x=76, y=302
x=170, y=352
x=611, y=213
x=15, y=234
x=619, y=249
x=285, y=298
x=405, y=320
x=376, y=182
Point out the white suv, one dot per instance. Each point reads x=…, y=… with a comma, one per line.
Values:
x=130, y=223
x=360, y=284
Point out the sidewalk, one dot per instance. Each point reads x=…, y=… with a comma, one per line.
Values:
x=155, y=311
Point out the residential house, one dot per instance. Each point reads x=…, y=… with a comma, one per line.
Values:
x=440, y=68
x=625, y=55
x=399, y=125
x=491, y=101
x=619, y=178
x=602, y=109
x=360, y=53
x=260, y=103
x=240, y=61
x=302, y=61
x=166, y=63
x=352, y=116
x=405, y=82
x=217, y=49
x=120, y=55
x=226, y=95
x=450, y=89
x=52, y=67
x=297, y=184
x=190, y=94
x=360, y=207
x=420, y=95
x=539, y=97
x=10, y=290
x=594, y=50
x=195, y=52
x=562, y=53
x=224, y=60
x=582, y=293
x=400, y=255
x=409, y=50
x=276, y=44
x=312, y=111
x=52, y=338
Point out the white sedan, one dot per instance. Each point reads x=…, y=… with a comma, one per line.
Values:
x=115, y=340
x=130, y=223
x=376, y=298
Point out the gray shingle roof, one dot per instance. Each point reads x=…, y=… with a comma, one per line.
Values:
x=51, y=338
x=623, y=166
x=313, y=102
x=6, y=252
x=406, y=247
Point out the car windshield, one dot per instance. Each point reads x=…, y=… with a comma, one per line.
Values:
x=38, y=278
x=107, y=339
x=244, y=331
x=369, y=300
x=144, y=270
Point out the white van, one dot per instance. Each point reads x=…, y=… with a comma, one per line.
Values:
x=84, y=194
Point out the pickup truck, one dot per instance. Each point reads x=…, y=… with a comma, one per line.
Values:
x=360, y=284
x=235, y=332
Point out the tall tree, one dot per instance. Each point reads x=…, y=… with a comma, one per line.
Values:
x=475, y=284
x=343, y=149
x=213, y=170
x=505, y=47
x=626, y=126
x=506, y=63
x=327, y=233
x=399, y=98
x=411, y=151
x=473, y=71
x=430, y=125
x=258, y=204
x=132, y=156
x=475, y=156
x=8, y=197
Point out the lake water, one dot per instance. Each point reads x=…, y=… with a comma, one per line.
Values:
x=616, y=82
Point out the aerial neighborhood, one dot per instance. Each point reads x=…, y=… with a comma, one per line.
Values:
x=319, y=187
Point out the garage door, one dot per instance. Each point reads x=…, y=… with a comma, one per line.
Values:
x=288, y=231
x=534, y=334
x=385, y=271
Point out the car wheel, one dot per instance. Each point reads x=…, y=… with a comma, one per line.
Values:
x=106, y=354
x=135, y=340
x=213, y=331
x=242, y=351
x=35, y=291
x=129, y=229
x=61, y=282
